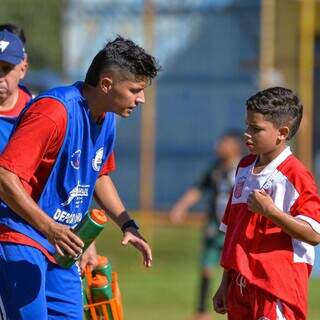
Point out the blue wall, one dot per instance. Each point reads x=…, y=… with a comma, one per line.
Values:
x=201, y=92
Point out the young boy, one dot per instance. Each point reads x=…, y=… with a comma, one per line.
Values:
x=271, y=220
x=216, y=182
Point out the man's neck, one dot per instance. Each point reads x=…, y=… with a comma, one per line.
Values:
x=10, y=102
x=93, y=100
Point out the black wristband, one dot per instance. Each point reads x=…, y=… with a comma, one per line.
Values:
x=129, y=224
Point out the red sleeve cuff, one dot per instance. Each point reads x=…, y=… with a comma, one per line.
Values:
x=8, y=165
x=109, y=166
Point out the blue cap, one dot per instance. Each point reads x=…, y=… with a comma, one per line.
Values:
x=11, y=48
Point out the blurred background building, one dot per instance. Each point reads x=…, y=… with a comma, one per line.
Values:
x=214, y=53
x=209, y=51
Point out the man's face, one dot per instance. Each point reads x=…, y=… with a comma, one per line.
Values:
x=10, y=75
x=125, y=95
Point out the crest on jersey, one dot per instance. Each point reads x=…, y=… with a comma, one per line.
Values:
x=267, y=187
x=75, y=159
x=269, y=191
x=97, y=160
x=239, y=187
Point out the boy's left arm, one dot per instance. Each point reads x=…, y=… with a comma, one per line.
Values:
x=259, y=201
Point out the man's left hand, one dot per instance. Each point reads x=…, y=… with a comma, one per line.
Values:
x=133, y=237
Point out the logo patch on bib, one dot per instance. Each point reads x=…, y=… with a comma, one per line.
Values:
x=97, y=160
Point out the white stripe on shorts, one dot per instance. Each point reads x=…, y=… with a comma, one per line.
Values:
x=279, y=311
x=3, y=315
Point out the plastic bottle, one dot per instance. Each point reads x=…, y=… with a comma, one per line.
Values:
x=104, y=267
x=101, y=290
x=87, y=230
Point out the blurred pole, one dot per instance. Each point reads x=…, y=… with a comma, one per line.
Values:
x=306, y=70
x=147, y=156
x=287, y=42
x=267, y=41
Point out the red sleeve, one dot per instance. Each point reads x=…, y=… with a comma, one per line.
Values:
x=37, y=140
x=308, y=202
x=109, y=166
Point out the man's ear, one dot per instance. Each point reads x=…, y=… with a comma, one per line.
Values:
x=106, y=83
x=23, y=68
x=283, y=133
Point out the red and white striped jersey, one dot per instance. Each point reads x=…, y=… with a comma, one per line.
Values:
x=254, y=246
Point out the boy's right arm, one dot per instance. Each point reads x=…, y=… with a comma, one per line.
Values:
x=220, y=297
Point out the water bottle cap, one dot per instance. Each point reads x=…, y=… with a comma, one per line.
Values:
x=99, y=281
x=98, y=216
x=102, y=261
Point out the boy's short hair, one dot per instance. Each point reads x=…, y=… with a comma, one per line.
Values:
x=279, y=106
x=124, y=57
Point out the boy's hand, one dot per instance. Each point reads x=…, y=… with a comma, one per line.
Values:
x=220, y=299
x=259, y=201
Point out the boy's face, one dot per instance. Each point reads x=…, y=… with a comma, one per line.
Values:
x=122, y=97
x=261, y=136
x=10, y=75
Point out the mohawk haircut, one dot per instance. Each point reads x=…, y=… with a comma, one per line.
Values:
x=124, y=57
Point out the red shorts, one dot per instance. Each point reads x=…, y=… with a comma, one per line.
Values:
x=248, y=302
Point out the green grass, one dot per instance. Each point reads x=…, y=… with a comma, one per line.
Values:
x=169, y=289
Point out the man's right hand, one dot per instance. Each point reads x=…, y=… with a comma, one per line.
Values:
x=65, y=241
x=177, y=215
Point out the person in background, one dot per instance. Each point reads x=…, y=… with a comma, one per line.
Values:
x=216, y=182
x=13, y=69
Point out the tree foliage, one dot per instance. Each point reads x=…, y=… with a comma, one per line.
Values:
x=42, y=22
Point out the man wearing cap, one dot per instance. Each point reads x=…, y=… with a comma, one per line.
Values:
x=13, y=68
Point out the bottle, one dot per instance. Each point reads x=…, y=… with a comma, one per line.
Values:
x=104, y=267
x=101, y=291
x=87, y=230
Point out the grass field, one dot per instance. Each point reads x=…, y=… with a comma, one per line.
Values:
x=168, y=290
